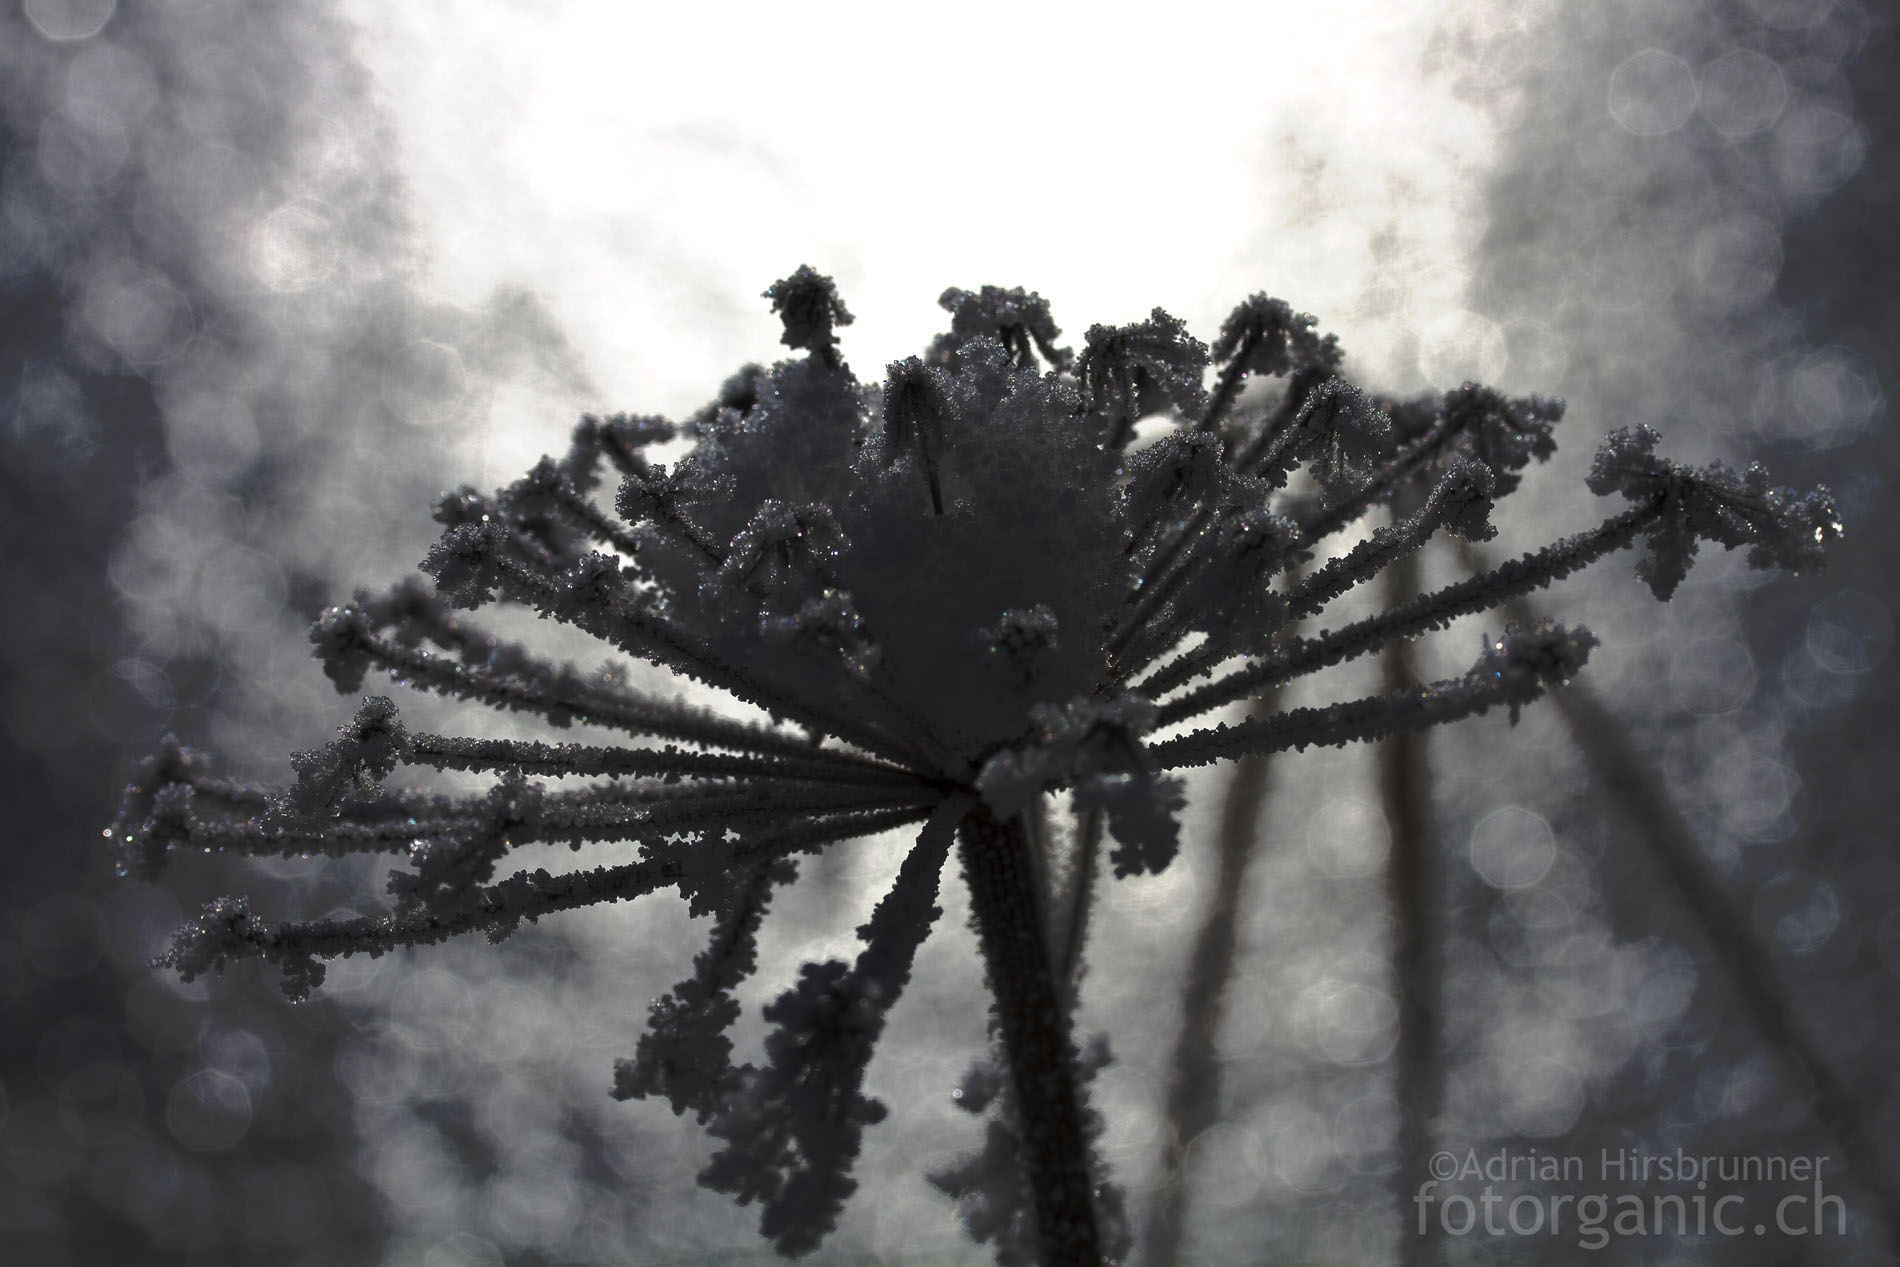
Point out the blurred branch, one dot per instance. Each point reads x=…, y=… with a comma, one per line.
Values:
x=1414, y=890
x=1623, y=773
x=1194, y=1095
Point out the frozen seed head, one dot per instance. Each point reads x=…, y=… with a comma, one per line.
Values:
x=1265, y=336
x=1017, y=319
x=953, y=592
x=808, y=303
x=1129, y=372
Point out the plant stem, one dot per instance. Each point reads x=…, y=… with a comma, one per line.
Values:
x=1034, y=1022
x=1194, y=1095
x=1067, y=952
x=1413, y=890
x=1624, y=774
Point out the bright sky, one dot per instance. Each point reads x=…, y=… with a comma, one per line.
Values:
x=650, y=169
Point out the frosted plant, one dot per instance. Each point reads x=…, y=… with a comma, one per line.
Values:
x=955, y=595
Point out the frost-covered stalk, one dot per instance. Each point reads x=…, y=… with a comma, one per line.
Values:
x=1003, y=573
x=1032, y=1011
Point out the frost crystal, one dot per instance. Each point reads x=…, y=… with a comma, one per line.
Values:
x=954, y=593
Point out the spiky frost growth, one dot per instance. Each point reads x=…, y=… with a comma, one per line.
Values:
x=1016, y=318
x=953, y=594
x=1781, y=527
x=992, y=1192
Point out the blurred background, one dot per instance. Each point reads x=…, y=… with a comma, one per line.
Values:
x=273, y=275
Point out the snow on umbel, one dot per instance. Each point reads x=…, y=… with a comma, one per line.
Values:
x=954, y=591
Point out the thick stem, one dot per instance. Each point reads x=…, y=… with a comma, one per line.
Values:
x=1037, y=1046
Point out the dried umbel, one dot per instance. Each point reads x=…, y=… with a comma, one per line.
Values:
x=956, y=594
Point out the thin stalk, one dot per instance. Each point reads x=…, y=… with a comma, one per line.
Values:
x=1201, y=659
x=1390, y=476
x=1194, y=1095
x=1037, y=1046
x=1751, y=971
x=453, y=675
x=223, y=938
x=1427, y=612
x=1414, y=891
x=1067, y=951
x=628, y=624
x=1621, y=771
x=450, y=752
x=1231, y=377
x=1271, y=436
x=1036, y=837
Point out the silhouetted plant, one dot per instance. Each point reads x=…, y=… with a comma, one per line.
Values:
x=954, y=595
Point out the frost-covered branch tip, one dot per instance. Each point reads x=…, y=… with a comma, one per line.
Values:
x=1782, y=528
